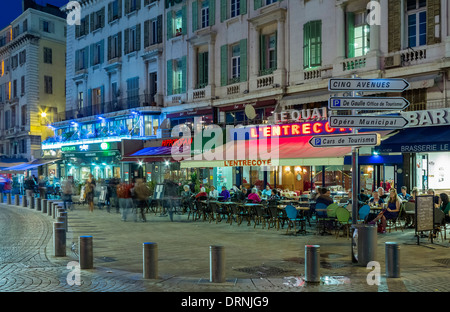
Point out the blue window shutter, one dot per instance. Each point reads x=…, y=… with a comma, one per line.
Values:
x=169, y=77
x=243, y=56
x=169, y=25
x=184, y=20
x=184, y=74
x=102, y=51
x=194, y=16
x=212, y=12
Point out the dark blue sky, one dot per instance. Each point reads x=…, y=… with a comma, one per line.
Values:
x=11, y=9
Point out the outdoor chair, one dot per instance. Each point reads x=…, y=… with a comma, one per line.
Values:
x=395, y=222
x=294, y=219
x=273, y=212
x=439, y=223
x=363, y=212
x=261, y=216
x=343, y=219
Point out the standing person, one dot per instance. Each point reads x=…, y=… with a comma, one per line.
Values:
x=89, y=190
x=142, y=194
x=29, y=186
x=67, y=190
x=112, y=191
x=42, y=184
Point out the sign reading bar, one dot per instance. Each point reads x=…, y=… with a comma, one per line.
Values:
x=386, y=122
x=357, y=84
x=361, y=139
x=368, y=103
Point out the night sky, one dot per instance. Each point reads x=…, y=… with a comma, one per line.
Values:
x=11, y=9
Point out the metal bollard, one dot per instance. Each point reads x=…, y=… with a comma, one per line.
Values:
x=64, y=215
x=8, y=198
x=38, y=204
x=31, y=202
x=54, y=210
x=392, y=259
x=217, y=264
x=59, y=239
x=17, y=199
x=2, y=199
x=86, y=254
x=44, y=205
x=312, y=263
x=150, y=265
x=49, y=208
x=24, y=201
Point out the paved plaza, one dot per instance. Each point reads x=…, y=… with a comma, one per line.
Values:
x=257, y=259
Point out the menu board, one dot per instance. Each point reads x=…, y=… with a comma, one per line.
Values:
x=424, y=213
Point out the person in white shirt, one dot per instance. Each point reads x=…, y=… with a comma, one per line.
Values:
x=213, y=193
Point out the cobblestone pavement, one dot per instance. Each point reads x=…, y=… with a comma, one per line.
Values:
x=257, y=259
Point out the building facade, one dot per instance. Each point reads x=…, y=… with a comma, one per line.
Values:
x=32, y=80
x=212, y=59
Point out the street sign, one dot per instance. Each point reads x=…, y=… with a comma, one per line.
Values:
x=385, y=122
x=360, y=139
x=367, y=103
x=357, y=84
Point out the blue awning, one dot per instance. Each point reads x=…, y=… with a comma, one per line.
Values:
x=153, y=151
x=376, y=160
x=417, y=140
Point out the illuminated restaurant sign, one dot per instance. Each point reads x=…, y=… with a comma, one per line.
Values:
x=296, y=129
x=247, y=162
x=292, y=115
x=177, y=142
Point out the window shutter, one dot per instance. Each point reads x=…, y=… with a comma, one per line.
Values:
x=92, y=51
x=316, y=34
x=110, y=12
x=169, y=77
x=433, y=21
x=92, y=22
x=146, y=34
x=224, y=65
x=109, y=47
x=243, y=56
x=90, y=97
x=243, y=7
x=102, y=94
x=223, y=10
x=262, y=54
x=394, y=25
x=126, y=41
x=127, y=7
x=102, y=51
x=306, y=36
x=184, y=20
x=138, y=5
x=103, y=17
x=194, y=16
x=212, y=12
x=77, y=59
x=257, y=4
x=183, y=73
x=200, y=62
x=86, y=57
x=350, y=34
x=120, y=9
x=138, y=37
x=119, y=48
x=169, y=25
x=159, y=29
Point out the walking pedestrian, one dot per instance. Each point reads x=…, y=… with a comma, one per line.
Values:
x=125, y=200
x=142, y=194
x=89, y=190
x=67, y=190
x=30, y=183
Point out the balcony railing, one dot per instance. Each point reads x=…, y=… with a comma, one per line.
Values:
x=109, y=107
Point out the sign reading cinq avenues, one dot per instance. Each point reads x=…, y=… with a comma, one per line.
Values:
x=357, y=84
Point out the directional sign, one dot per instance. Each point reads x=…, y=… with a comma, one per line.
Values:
x=356, y=84
x=360, y=139
x=385, y=122
x=368, y=103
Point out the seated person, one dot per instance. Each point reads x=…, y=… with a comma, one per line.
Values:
x=324, y=197
x=213, y=193
x=404, y=195
x=362, y=197
x=274, y=195
x=436, y=198
x=444, y=205
x=391, y=212
x=381, y=193
x=225, y=194
x=186, y=196
x=266, y=192
x=375, y=199
x=254, y=197
x=243, y=194
x=202, y=194
x=414, y=194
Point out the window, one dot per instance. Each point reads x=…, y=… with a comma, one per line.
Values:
x=177, y=77
x=417, y=23
x=24, y=115
x=46, y=26
x=114, y=10
x=22, y=57
x=358, y=34
x=132, y=5
x=261, y=3
x=48, y=84
x=81, y=59
x=205, y=13
x=235, y=63
x=97, y=96
x=268, y=54
x=97, y=53
x=114, y=46
x=312, y=44
x=99, y=19
x=235, y=8
x=153, y=31
x=83, y=28
x=14, y=61
x=178, y=23
x=133, y=39
x=25, y=26
x=15, y=88
x=48, y=56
